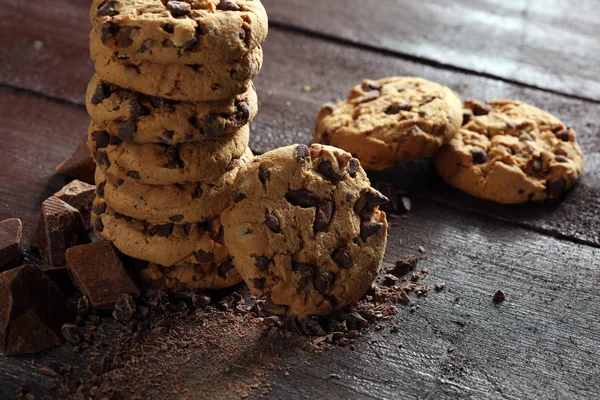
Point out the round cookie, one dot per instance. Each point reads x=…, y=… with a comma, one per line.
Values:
x=158, y=164
x=180, y=203
x=183, y=82
x=189, y=277
x=391, y=120
x=180, y=32
x=511, y=152
x=164, y=244
x=146, y=119
x=305, y=229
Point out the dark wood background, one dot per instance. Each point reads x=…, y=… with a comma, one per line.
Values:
x=543, y=342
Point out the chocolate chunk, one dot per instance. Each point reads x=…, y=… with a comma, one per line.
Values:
x=213, y=125
x=136, y=108
x=190, y=44
x=100, y=189
x=303, y=268
x=124, y=308
x=60, y=276
x=120, y=182
x=262, y=263
x=224, y=268
x=109, y=30
x=324, y=282
x=71, y=333
x=11, y=232
x=557, y=187
x=302, y=198
x=102, y=159
x=99, y=209
x=174, y=161
x=125, y=36
x=467, y=116
x=537, y=165
x=197, y=192
x=302, y=153
x=127, y=130
x=563, y=135
x=368, y=229
x=101, y=139
x=228, y=5
x=396, y=107
x=179, y=9
x=33, y=311
x=499, y=296
x=272, y=221
x=195, y=67
x=561, y=159
x=203, y=257
x=101, y=93
x=80, y=195
x=325, y=168
x=115, y=140
x=243, y=112
x=83, y=307
x=108, y=9
x=176, y=218
x=60, y=227
x=375, y=199
x=162, y=230
x=258, y=283
x=238, y=196
x=99, y=275
x=80, y=164
x=134, y=175
x=479, y=155
x=353, y=166
x=479, y=108
x=323, y=215
x=342, y=258
x=202, y=30
x=264, y=175
x=169, y=28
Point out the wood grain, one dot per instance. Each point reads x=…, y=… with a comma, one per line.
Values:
x=549, y=44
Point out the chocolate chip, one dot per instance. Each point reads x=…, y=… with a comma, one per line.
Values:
x=168, y=134
x=213, y=125
x=124, y=308
x=396, y=107
x=102, y=159
x=302, y=153
x=238, y=196
x=323, y=215
x=101, y=93
x=179, y=8
x=324, y=282
x=303, y=268
x=262, y=263
x=120, y=182
x=109, y=30
x=243, y=111
x=557, y=187
x=264, y=175
x=302, y=198
x=174, y=161
x=108, y=9
x=369, y=85
x=125, y=36
x=467, y=115
x=325, y=168
x=115, y=140
x=479, y=155
x=134, y=175
x=100, y=189
x=204, y=256
x=83, y=307
x=169, y=28
x=353, y=167
x=176, y=218
x=99, y=209
x=375, y=199
x=499, y=296
x=197, y=192
x=561, y=159
x=259, y=283
x=480, y=108
x=187, y=228
x=71, y=333
x=127, y=130
x=136, y=108
x=202, y=30
x=195, y=67
x=101, y=139
x=537, y=165
x=228, y=5
x=190, y=44
x=368, y=229
x=525, y=137
x=272, y=221
x=162, y=230
x=98, y=225
x=563, y=135
x=342, y=258
x=369, y=96
x=224, y=268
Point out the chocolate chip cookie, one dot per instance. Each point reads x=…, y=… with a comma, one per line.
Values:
x=305, y=229
x=179, y=203
x=146, y=119
x=183, y=32
x=511, y=152
x=215, y=274
x=391, y=120
x=164, y=244
x=183, y=82
x=158, y=164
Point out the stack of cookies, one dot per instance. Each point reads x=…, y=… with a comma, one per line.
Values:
x=170, y=105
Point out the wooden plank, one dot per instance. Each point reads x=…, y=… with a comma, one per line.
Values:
x=547, y=44
x=540, y=343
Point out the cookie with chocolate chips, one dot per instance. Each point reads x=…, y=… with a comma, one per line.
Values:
x=391, y=120
x=158, y=164
x=182, y=82
x=182, y=32
x=305, y=229
x=165, y=244
x=180, y=203
x=511, y=152
x=213, y=274
x=133, y=116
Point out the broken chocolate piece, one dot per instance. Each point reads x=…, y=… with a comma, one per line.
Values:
x=79, y=195
x=60, y=276
x=60, y=227
x=11, y=232
x=80, y=164
x=33, y=312
x=124, y=308
x=98, y=273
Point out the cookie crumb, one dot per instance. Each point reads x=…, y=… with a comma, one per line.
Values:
x=439, y=286
x=288, y=103
x=422, y=249
x=307, y=88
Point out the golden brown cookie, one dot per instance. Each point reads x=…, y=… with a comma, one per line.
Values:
x=216, y=274
x=391, y=120
x=305, y=229
x=138, y=118
x=511, y=152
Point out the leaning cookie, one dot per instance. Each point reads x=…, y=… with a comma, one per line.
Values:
x=164, y=244
x=180, y=32
x=391, y=120
x=511, y=152
x=305, y=229
x=139, y=118
x=182, y=203
x=182, y=82
x=157, y=164
x=215, y=274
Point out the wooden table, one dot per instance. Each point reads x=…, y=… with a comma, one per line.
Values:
x=542, y=342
